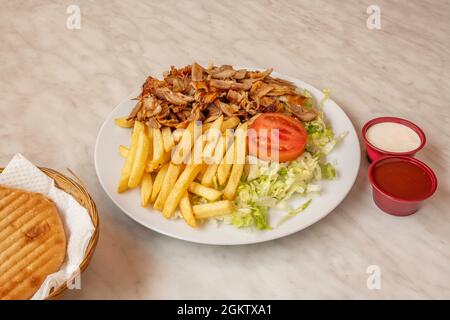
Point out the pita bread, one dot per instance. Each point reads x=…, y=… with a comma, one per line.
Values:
x=32, y=242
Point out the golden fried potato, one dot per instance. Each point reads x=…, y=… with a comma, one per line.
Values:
x=205, y=192
x=186, y=210
x=126, y=170
x=230, y=123
x=227, y=161
x=180, y=187
x=213, y=209
x=167, y=138
x=238, y=166
x=169, y=181
x=212, y=137
x=158, y=182
x=146, y=189
x=158, y=150
x=124, y=122
x=140, y=161
x=177, y=134
x=201, y=173
x=123, y=151
x=208, y=176
x=183, y=149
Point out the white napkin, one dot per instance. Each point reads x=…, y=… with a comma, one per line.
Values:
x=22, y=174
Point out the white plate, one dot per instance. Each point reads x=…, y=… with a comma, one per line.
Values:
x=346, y=157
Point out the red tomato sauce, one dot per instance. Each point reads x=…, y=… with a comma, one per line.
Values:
x=402, y=179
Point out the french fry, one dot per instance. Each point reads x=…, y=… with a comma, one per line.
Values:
x=177, y=134
x=216, y=124
x=183, y=148
x=167, y=138
x=227, y=162
x=186, y=210
x=140, y=160
x=123, y=151
x=201, y=173
x=158, y=182
x=213, y=209
x=196, y=155
x=230, y=123
x=212, y=138
x=180, y=187
x=151, y=167
x=208, y=176
x=210, y=172
x=168, y=183
x=206, y=126
x=167, y=157
x=126, y=170
x=241, y=144
x=205, y=192
x=158, y=148
x=146, y=189
x=124, y=122
x=239, y=162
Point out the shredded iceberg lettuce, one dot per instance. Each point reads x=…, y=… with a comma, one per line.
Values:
x=321, y=139
x=269, y=185
x=294, y=212
x=252, y=215
x=328, y=172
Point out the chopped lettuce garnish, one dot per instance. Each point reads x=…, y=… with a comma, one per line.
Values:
x=321, y=139
x=270, y=185
x=293, y=213
x=328, y=172
x=255, y=215
x=326, y=96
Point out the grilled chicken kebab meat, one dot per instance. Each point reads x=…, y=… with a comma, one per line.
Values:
x=195, y=93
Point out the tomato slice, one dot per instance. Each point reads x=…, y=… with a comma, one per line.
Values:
x=286, y=145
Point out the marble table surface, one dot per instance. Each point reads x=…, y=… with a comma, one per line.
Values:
x=58, y=85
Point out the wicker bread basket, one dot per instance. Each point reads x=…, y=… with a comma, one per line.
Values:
x=82, y=196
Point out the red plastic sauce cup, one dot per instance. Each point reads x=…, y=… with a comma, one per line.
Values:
x=375, y=153
x=395, y=205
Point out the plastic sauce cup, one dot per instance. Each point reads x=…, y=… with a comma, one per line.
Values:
x=393, y=204
x=375, y=153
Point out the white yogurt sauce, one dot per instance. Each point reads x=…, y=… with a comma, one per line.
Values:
x=393, y=137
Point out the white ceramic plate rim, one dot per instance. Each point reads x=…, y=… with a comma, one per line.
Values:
x=347, y=155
